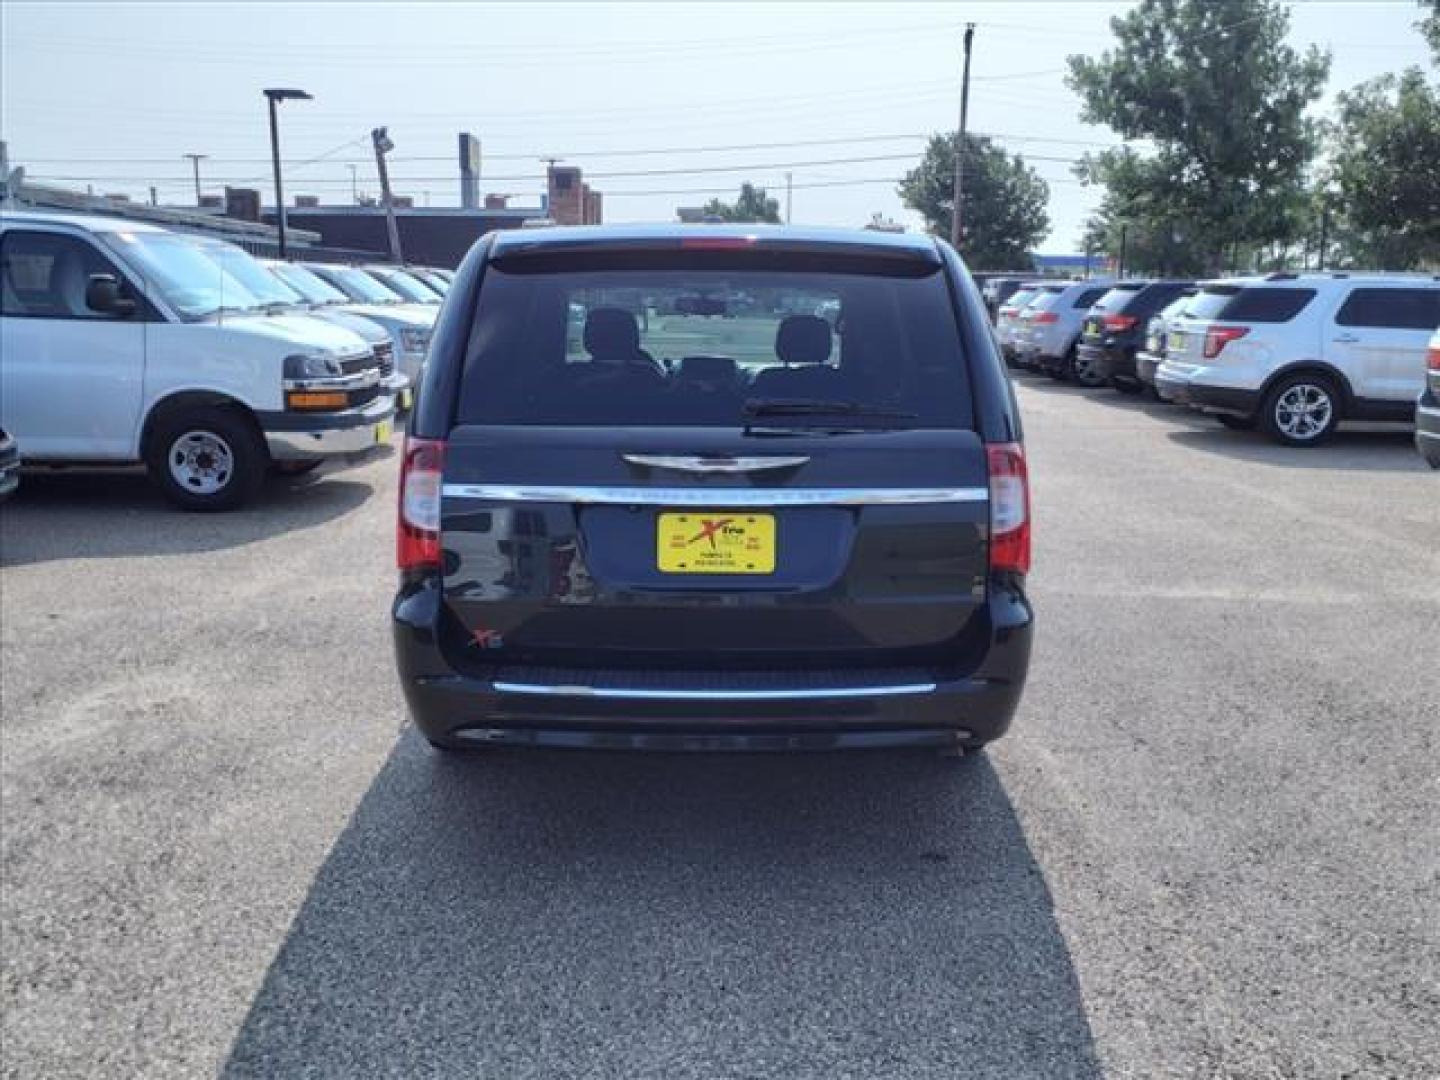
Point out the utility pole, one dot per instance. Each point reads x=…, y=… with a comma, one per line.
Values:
x=195, y=160
x=955, y=225
x=1124, y=242
x=354, y=184
x=788, y=185
x=154, y=197
x=1324, y=232
x=383, y=146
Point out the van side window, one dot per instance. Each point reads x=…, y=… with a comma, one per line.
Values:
x=43, y=275
x=1394, y=309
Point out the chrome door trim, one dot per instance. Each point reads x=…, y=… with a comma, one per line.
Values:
x=712, y=497
x=639, y=693
x=695, y=463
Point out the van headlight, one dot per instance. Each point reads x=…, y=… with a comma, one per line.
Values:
x=312, y=366
x=414, y=339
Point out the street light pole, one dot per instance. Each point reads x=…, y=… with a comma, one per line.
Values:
x=195, y=160
x=955, y=228
x=274, y=96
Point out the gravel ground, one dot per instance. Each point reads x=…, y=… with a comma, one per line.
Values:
x=1208, y=849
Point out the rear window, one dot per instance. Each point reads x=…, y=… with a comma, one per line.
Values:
x=1116, y=298
x=1253, y=304
x=1045, y=299
x=684, y=345
x=1394, y=309
x=1088, y=298
x=1020, y=298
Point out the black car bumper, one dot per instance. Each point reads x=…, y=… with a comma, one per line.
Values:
x=1220, y=399
x=1427, y=428
x=1110, y=362
x=710, y=710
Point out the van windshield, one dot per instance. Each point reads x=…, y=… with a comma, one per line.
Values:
x=684, y=347
x=241, y=266
x=309, y=285
x=188, y=280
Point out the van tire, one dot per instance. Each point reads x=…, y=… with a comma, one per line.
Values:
x=1301, y=409
x=206, y=458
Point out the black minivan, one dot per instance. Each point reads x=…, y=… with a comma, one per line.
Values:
x=713, y=487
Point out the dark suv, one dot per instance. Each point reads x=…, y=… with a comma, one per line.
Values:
x=1114, y=331
x=713, y=488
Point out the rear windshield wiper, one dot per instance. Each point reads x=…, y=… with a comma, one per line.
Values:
x=820, y=407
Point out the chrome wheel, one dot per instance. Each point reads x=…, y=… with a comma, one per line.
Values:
x=1304, y=411
x=201, y=462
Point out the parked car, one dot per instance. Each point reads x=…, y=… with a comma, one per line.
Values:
x=431, y=278
x=601, y=548
x=9, y=464
x=279, y=298
x=1115, y=328
x=1427, y=409
x=998, y=290
x=121, y=342
x=409, y=328
x=1050, y=325
x=1157, y=331
x=1296, y=354
x=405, y=283
x=1007, y=318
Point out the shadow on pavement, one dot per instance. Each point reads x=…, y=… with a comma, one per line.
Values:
x=110, y=513
x=1387, y=451
x=577, y=915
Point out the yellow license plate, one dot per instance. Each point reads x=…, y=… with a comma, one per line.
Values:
x=1175, y=341
x=715, y=542
x=382, y=432
x=407, y=396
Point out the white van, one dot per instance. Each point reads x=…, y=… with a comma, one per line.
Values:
x=1295, y=354
x=121, y=342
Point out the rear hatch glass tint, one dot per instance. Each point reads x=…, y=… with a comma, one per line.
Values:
x=686, y=341
x=1116, y=298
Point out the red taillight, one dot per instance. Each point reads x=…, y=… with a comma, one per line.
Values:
x=1118, y=324
x=418, y=528
x=1009, y=508
x=1217, y=337
x=1432, y=358
x=1047, y=317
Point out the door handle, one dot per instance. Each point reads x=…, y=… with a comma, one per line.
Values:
x=1347, y=339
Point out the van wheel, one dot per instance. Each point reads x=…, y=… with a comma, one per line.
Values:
x=1301, y=410
x=207, y=459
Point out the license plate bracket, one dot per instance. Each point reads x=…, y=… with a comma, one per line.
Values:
x=715, y=542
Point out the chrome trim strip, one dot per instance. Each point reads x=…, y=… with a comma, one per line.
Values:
x=637, y=693
x=713, y=497
x=718, y=464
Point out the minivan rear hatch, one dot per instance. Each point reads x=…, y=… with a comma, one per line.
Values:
x=718, y=458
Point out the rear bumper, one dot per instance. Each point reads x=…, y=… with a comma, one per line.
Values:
x=1231, y=400
x=297, y=437
x=704, y=710
x=1427, y=428
x=1110, y=362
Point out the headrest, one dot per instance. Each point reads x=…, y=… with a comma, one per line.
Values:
x=803, y=339
x=611, y=332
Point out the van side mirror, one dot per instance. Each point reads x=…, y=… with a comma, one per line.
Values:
x=103, y=294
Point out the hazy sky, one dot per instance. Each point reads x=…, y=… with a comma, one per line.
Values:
x=114, y=93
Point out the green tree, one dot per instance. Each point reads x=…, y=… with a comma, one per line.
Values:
x=1386, y=142
x=1221, y=98
x=1430, y=25
x=752, y=205
x=1004, y=214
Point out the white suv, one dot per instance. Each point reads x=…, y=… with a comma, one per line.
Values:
x=121, y=342
x=1294, y=354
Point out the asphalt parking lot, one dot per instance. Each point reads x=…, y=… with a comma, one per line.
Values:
x=1208, y=848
